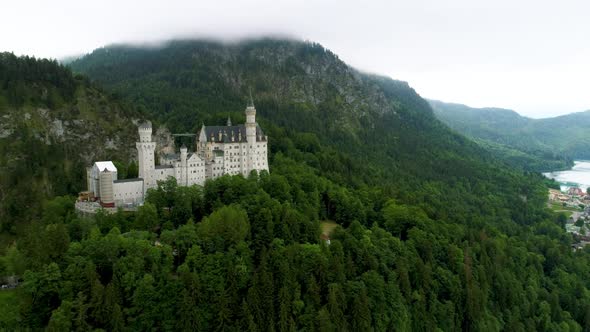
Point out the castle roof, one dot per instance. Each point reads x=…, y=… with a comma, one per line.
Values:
x=212, y=134
x=190, y=156
x=146, y=125
x=170, y=156
x=129, y=180
x=108, y=165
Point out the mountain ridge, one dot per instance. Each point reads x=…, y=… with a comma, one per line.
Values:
x=551, y=143
x=501, y=109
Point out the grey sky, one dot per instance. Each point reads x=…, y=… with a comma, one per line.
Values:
x=530, y=56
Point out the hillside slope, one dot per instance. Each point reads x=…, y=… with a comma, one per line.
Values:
x=433, y=233
x=555, y=140
x=381, y=124
x=52, y=126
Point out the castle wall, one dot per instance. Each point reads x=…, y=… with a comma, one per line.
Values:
x=162, y=173
x=233, y=158
x=238, y=158
x=128, y=191
x=260, y=157
x=216, y=168
x=223, y=150
x=196, y=173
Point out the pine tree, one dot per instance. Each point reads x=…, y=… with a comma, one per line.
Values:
x=61, y=318
x=336, y=307
x=324, y=323
x=360, y=312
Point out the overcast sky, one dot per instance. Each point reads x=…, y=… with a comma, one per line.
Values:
x=532, y=56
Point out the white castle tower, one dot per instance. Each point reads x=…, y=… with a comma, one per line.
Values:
x=145, y=155
x=250, y=135
x=183, y=166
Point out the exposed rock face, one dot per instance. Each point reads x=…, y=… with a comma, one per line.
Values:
x=90, y=139
x=164, y=141
x=83, y=134
x=315, y=75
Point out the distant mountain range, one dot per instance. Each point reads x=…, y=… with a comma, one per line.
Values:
x=542, y=144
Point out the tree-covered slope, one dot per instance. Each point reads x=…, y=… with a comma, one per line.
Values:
x=549, y=142
x=357, y=129
x=52, y=126
x=431, y=233
x=382, y=124
x=568, y=133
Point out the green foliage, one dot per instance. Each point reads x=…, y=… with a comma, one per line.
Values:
x=52, y=123
x=552, y=184
x=146, y=217
x=399, y=219
x=224, y=228
x=126, y=171
x=9, y=315
x=255, y=261
x=40, y=82
x=433, y=233
x=533, y=144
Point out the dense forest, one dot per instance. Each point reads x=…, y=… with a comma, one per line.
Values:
x=431, y=232
x=534, y=144
x=53, y=124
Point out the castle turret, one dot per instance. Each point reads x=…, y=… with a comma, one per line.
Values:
x=250, y=135
x=89, y=186
x=145, y=155
x=183, y=165
x=145, y=132
x=202, y=142
x=251, y=122
x=106, y=188
x=183, y=154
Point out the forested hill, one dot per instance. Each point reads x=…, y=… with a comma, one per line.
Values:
x=296, y=80
x=429, y=232
x=52, y=125
x=382, y=125
x=552, y=139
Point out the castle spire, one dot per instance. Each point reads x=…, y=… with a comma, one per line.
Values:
x=228, y=121
x=251, y=101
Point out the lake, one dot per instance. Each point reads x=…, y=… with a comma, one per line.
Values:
x=577, y=176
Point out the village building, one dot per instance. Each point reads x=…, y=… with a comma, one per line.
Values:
x=575, y=191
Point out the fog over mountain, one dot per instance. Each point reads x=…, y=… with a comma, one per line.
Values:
x=529, y=56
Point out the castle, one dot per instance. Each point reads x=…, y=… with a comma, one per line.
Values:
x=220, y=150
